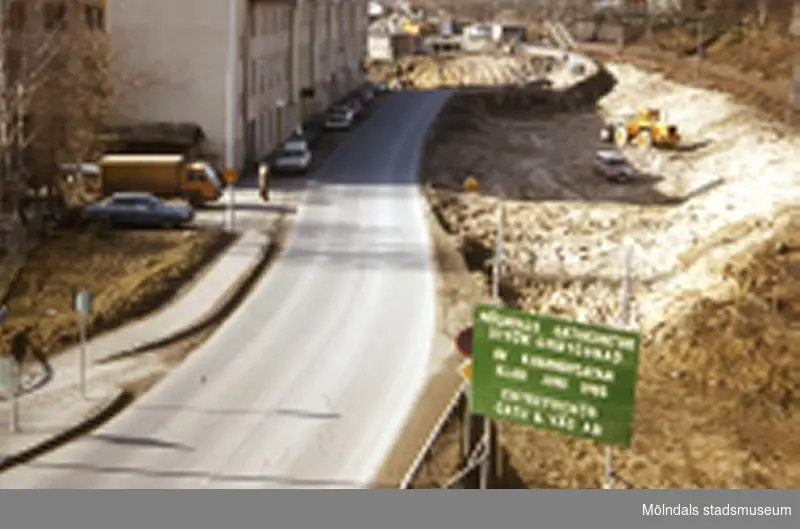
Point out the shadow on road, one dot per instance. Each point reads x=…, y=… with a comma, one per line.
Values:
x=144, y=442
x=285, y=412
x=265, y=207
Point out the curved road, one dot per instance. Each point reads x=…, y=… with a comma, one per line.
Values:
x=310, y=380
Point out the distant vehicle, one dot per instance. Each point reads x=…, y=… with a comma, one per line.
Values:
x=366, y=94
x=356, y=106
x=141, y=210
x=294, y=156
x=613, y=166
x=381, y=88
x=164, y=175
x=647, y=127
x=339, y=119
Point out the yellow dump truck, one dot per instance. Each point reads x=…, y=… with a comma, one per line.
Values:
x=164, y=175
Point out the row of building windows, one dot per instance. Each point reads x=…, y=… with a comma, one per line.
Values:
x=53, y=15
x=265, y=76
x=269, y=21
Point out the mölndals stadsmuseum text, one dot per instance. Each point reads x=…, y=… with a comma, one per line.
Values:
x=656, y=509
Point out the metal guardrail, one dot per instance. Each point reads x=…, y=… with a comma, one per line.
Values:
x=425, y=451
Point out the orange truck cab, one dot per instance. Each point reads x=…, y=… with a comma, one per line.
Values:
x=164, y=175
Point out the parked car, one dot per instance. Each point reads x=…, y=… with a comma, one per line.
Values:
x=613, y=166
x=356, y=106
x=339, y=118
x=294, y=156
x=381, y=88
x=138, y=209
x=367, y=94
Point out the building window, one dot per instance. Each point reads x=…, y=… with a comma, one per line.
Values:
x=95, y=17
x=16, y=16
x=54, y=15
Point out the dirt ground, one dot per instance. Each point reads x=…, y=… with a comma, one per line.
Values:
x=715, y=295
x=131, y=273
x=752, y=63
x=434, y=71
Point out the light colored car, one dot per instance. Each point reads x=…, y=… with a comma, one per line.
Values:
x=294, y=156
x=140, y=210
x=340, y=119
x=613, y=166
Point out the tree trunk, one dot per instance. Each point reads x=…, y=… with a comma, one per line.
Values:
x=763, y=8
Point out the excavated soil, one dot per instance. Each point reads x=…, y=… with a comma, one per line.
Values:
x=716, y=277
x=751, y=63
x=444, y=71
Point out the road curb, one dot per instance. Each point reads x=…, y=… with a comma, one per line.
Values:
x=123, y=398
x=223, y=304
x=107, y=409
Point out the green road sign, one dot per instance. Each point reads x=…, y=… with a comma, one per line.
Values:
x=554, y=374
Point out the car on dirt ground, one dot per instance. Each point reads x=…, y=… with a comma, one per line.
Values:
x=138, y=210
x=613, y=166
x=294, y=156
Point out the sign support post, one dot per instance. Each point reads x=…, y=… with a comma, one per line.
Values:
x=84, y=301
x=82, y=332
x=231, y=176
x=624, y=320
x=13, y=416
x=231, y=207
x=10, y=374
x=489, y=435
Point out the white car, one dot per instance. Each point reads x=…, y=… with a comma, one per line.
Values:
x=613, y=166
x=293, y=157
x=340, y=119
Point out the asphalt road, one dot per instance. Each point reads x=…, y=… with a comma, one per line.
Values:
x=308, y=384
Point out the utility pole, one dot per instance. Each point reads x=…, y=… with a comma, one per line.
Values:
x=488, y=466
x=232, y=88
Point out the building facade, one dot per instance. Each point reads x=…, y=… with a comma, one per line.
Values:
x=292, y=58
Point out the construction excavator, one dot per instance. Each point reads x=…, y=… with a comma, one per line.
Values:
x=648, y=127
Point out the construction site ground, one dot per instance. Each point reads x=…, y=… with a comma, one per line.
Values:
x=716, y=232
x=752, y=63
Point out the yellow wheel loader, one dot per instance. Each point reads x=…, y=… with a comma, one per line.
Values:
x=646, y=128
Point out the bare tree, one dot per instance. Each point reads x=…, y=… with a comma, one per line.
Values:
x=56, y=91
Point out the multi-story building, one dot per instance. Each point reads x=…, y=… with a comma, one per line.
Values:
x=246, y=71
